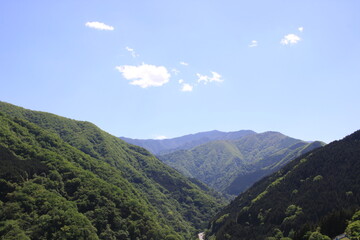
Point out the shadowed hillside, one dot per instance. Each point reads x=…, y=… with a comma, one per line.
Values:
x=312, y=197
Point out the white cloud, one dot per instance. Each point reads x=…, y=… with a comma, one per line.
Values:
x=206, y=79
x=132, y=52
x=184, y=63
x=186, y=87
x=181, y=81
x=301, y=29
x=160, y=137
x=145, y=75
x=290, y=39
x=253, y=43
x=99, y=26
x=175, y=71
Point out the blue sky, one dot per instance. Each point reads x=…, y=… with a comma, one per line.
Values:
x=146, y=69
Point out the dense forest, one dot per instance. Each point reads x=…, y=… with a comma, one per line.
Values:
x=67, y=179
x=231, y=166
x=315, y=196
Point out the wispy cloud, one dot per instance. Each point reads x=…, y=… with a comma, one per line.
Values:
x=206, y=79
x=175, y=71
x=186, y=87
x=253, y=43
x=290, y=39
x=301, y=29
x=132, y=52
x=184, y=63
x=145, y=75
x=181, y=81
x=99, y=26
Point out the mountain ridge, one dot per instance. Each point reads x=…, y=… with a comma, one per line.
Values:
x=314, y=195
x=225, y=165
x=114, y=188
x=188, y=141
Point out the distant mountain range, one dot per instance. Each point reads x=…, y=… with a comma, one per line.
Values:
x=163, y=146
x=316, y=196
x=67, y=179
x=229, y=162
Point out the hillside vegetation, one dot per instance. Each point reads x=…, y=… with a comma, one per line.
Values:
x=312, y=197
x=233, y=166
x=66, y=179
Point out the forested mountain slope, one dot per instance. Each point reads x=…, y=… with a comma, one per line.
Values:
x=66, y=179
x=310, y=198
x=233, y=166
x=163, y=146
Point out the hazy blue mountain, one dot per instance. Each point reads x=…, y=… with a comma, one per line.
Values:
x=158, y=147
x=232, y=166
x=312, y=197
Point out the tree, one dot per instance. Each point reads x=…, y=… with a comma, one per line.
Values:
x=318, y=236
x=353, y=230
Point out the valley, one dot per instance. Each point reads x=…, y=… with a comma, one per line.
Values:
x=67, y=179
x=229, y=162
x=180, y=120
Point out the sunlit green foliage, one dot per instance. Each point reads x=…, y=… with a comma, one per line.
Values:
x=318, y=236
x=317, y=178
x=353, y=228
x=291, y=213
x=58, y=173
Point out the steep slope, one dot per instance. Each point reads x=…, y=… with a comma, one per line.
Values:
x=313, y=195
x=112, y=188
x=158, y=147
x=232, y=166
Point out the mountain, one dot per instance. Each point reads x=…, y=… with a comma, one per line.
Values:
x=158, y=147
x=312, y=197
x=67, y=179
x=232, y=166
